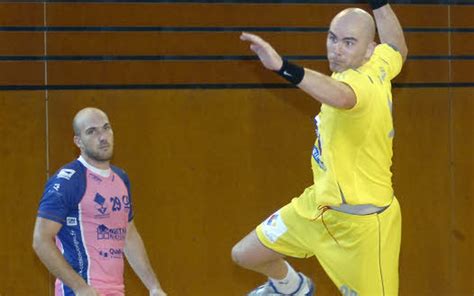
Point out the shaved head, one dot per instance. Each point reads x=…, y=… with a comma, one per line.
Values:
x=94, y=136
x=358, y=21
x=83, y=116
x=350, y=39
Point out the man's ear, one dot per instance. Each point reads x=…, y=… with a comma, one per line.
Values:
x=78, y=142
x=370, y=49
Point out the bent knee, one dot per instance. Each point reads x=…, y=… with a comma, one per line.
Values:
x=250, y=252
x=239, y=255
x=245, y=255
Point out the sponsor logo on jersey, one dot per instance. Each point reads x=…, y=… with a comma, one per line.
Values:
x=77, y=248
x=56, y=186
x=272, y=220
x=66, y=173
x=126, y=203
x=317, y=149
x=274, y=227
x=105, y=233
x=111, y=253
x=317, y=158
x=71, y=221
x=100, y=206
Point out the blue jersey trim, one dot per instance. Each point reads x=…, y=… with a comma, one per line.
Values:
x=60, y=202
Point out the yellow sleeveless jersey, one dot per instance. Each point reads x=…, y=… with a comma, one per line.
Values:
x=352, y=155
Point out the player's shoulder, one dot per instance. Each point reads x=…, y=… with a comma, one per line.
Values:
x=121, y=173
x=359, y=76
x=386, y=52
x=69, y=175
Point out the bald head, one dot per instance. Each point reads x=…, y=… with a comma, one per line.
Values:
x=94, y=136
x=356, y=21
x=84, y=116
x=350, y=40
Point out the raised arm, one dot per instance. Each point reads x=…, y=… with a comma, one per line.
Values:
x=45, y=247
x=389, y=29
x=319, y=86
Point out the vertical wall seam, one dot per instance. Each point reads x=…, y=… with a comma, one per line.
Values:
x=451, y=158
x=46, y=105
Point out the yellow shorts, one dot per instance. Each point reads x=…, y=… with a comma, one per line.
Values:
x=359, y=253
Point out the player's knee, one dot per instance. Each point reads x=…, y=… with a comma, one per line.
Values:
x=236, y=254
x=239, y=256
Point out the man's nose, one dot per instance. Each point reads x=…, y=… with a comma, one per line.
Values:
x=102, y=135
x=337, y=48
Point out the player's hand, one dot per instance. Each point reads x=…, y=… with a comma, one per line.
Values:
x=86, y=291
x=157, y=292
x=267, y=55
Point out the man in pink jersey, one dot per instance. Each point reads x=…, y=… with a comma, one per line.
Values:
x=87, y=210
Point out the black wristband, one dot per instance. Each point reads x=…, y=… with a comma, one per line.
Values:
x=291, y=72
x=377, y=3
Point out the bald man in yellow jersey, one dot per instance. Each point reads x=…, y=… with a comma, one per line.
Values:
x=349, y=218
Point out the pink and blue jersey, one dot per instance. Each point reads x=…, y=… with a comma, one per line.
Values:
x=94, y=209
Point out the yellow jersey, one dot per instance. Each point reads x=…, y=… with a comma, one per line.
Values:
x=352, y=154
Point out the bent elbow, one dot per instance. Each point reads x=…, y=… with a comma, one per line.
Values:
x=36, y=245
x=404, y=52
x=348, y=100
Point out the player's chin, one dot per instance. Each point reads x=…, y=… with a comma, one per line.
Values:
x=105, y=155
x=335, y=67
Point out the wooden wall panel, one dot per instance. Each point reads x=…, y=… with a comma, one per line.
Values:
x=246, y=15
x=424, y=71
x=226, y=43
x=462, y=207
x=21, y=14
x=422, y=185
x=21, y=73
x=461, y=16
x=461, y=71
x=423, y=43
x=178, y=43
x=150, y=72
x=22, y=175
x=21, y=43
x=462, y=43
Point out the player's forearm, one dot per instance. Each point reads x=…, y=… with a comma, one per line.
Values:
x=138, y=258
x=389, y=29
x=56, y=264
x=327, y=90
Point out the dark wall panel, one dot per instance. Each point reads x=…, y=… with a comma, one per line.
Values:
x=421, y=182
x=21, y=14
x=462, y=207
x=226, y=43
x=23, y=172
x=168, y=14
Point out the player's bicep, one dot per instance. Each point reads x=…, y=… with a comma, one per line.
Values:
x=54, y=206
x=45, y=229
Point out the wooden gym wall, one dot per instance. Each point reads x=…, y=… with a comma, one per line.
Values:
x=214, y=143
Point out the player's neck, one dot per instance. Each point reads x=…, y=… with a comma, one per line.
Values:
x=100, y=165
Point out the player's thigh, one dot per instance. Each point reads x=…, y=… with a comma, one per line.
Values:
x=288, y=233
x=360, y=257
